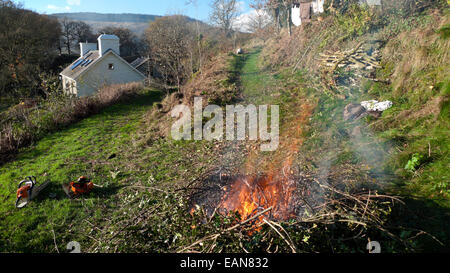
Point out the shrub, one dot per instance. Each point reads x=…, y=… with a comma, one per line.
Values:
x=414, y=162
x=357, y=20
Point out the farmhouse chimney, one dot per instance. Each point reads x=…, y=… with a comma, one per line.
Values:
x=108, y=42
x=86, y=47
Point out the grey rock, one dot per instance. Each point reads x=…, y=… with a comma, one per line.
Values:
x=353, y=111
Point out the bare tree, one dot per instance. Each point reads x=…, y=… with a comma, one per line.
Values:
x=287, y=5
x=275, y=7
x=280, y=10
x=171, y=41
x=75, y=32
x=224, y=13
x=68, y=31
x=28, y=45
x=199, y=35
x=82, y=32
x=260, y=19
x=130, y=44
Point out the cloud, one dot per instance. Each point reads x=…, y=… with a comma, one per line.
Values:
x=70, y=3
x=74, y=2
x=243, y=22
x=56, y=8
x=241, y=6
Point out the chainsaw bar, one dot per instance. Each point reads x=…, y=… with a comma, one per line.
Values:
x=23, y=202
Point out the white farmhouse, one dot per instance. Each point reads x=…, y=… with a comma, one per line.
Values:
x=98, y=67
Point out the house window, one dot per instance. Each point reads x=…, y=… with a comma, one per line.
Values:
x=111, y=66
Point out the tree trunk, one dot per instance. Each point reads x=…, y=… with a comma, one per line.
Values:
x=276, y=15
x=200, y=56
x=68, y=47
x=288, y=23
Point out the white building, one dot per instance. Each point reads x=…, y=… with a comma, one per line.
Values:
x=98, y=67
x=303, y=10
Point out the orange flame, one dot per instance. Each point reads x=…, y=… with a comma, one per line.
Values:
x=252, y=194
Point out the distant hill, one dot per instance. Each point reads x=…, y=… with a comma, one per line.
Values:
x=137, y=23
x=104, y=17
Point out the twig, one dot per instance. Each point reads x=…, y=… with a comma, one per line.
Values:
x=421, y=232
x=346, y=56
x=250, y=219
x=307, y=50
x=367, y=205
x=148, y=188
x=289, y=243
x=54, y=240
x=215, y=236
x=92, y=225
x=353, y=222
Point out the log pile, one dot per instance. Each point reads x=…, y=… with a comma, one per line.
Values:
x=356, y=58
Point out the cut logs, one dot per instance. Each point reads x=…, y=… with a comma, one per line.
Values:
x=356, y=58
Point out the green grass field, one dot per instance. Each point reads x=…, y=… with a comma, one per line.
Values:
x=81, y=149
x=139, y=207
x=51, y=221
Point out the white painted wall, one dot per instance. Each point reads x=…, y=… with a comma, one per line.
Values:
x=107, y=42
x=100, y=75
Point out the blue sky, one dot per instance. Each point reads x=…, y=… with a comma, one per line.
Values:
x=155, y=7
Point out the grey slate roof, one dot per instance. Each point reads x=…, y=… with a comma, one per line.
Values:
x=139, y=61
x=91, y=56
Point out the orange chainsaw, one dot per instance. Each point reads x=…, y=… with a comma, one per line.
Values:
x=28, y=190
x=82, y=186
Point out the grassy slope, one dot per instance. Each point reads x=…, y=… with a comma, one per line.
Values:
x=100, y=221
x=317, y=139
x=257, y=87
x=109, y=219
x=81, y=149
x=415, y=61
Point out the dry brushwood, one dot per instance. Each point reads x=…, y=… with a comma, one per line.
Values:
x=217, y=235
x=355, y=58
x=358, y=211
